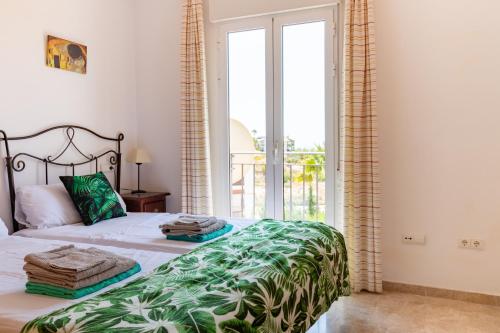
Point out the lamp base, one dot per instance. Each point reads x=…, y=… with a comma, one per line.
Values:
x=138, y=191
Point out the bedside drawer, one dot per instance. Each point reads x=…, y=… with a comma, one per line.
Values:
x=151, y=202
x=154, y=207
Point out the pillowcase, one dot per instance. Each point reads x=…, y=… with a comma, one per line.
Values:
x=45, y=206
x=3, y=228
x=19, y=214
x=93, y=197
x=122, y=202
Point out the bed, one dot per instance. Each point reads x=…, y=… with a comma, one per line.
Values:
x=17, y=308
x=273, y=276
x=136, y=230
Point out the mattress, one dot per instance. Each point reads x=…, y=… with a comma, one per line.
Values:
x=17, y=308
x=136, y=230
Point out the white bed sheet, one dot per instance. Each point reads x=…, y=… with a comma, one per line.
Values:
x=136, y=230
x=17, y=307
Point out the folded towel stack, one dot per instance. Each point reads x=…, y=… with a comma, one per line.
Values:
x=194, y=228
x=69, y=272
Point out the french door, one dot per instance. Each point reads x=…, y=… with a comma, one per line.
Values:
x=277, y=87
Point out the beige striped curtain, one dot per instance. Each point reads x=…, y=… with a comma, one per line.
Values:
x=359, y=149
x=196, y=185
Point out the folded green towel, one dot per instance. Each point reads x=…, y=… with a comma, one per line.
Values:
x=60, y=292
x=202, y=238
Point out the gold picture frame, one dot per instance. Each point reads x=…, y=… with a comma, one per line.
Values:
x=66, y=55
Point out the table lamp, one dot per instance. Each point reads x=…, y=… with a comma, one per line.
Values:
x=138, y=156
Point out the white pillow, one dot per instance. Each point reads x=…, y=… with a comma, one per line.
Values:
x=19, y=214
x=121, y=201
x=3, y=228
x=45, y=206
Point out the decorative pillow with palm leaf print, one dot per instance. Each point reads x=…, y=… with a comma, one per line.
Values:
x=93, y=197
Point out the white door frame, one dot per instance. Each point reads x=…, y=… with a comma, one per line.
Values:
x=274, y=113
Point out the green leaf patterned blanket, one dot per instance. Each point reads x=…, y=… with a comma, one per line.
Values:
x=273, y=276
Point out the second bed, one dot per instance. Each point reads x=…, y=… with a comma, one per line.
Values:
x=136, y=230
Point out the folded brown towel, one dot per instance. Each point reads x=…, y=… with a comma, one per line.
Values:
x=72, y=263
x=168, y=230
x=53, y=277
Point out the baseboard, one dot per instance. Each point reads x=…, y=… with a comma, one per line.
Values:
x=443, y=293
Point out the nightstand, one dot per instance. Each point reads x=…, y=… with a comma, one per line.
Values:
x=149, y=202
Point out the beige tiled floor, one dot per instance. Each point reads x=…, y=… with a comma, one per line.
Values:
x=405, y=313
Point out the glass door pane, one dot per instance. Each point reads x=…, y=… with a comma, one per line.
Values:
x=247, y=122
x=303, y=112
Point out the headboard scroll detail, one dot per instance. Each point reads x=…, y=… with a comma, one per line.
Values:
x=17, y=163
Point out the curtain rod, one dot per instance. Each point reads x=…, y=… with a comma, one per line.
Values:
x=333, y=3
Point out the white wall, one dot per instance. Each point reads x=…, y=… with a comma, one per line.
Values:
x=437, y=99
x=229, y=9
x=438, y=70
x=33, y=96
x=158, y=27
x=158, y=94
x=439, y=144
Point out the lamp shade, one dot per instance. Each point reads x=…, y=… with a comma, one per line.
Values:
x=138, y=155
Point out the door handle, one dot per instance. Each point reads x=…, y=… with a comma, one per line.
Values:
x=276, y=151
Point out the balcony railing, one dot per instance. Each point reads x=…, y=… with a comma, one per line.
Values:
x=303, y=180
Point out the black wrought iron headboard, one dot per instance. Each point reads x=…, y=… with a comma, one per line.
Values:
x=17, y=162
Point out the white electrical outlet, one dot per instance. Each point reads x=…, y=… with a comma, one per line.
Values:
x=413, y=239
x=474, y=244
x=463, y=243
